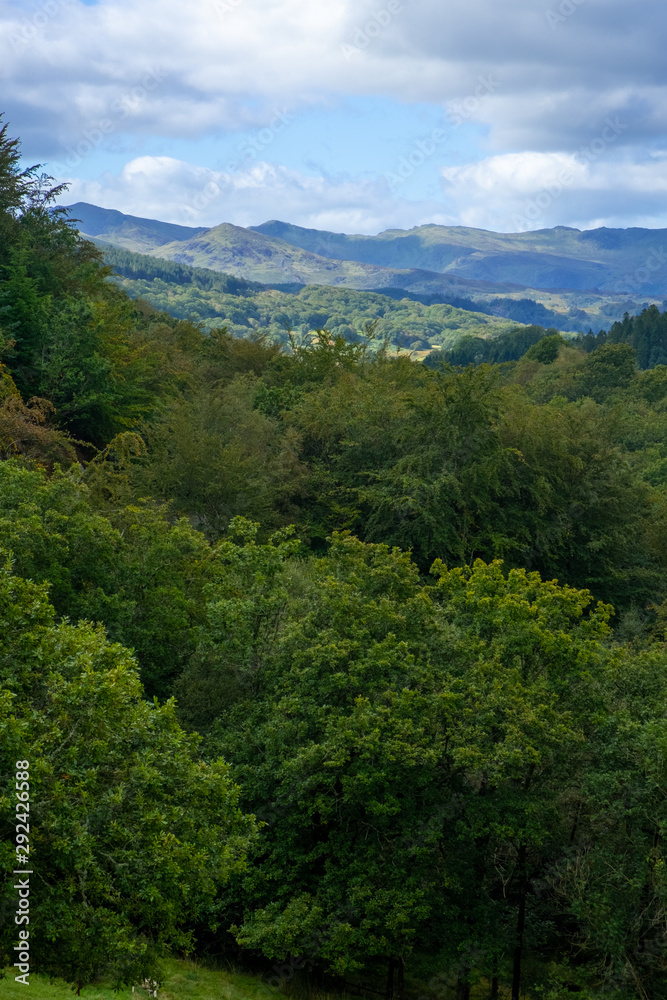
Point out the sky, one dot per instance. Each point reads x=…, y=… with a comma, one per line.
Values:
x=357, y=117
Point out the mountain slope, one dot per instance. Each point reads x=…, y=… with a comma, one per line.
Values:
x=426, y=260
x=258, y=257
x=609, y=259
x=214, y=299
x=128, y=231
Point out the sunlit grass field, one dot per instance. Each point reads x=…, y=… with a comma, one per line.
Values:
x=183, y=981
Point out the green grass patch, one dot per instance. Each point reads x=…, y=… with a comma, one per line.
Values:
x=183, y=981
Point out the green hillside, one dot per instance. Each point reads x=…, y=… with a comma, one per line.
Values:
x=562, y=277
x=406, y=317
x=244, y=307
x=342, y=671
x=128, y=231
x=240, y=251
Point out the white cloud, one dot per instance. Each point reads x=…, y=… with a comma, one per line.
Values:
x=225, y=65
x=174, y=191
x=534, y=190
x=225, y=62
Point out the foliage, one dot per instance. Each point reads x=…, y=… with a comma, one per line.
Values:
x=457, y=766
x=508, y=345
x=134, y=571
x=646, y=334
x=132, y=835
x=65, y=333
x=245, y=307
x=414, y=752
x=183, y=978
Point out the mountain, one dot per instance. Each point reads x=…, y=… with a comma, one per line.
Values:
x=128, y=231
x=214, y=299
x=269, y=259
x=611, y=260
x=581, y=274
x=250, y=254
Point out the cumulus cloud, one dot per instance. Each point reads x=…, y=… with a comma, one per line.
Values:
x=174, y=191
x=516, y=192
x=560, y=69
x=226, y=61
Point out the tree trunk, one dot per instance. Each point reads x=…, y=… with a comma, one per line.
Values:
x=494, y=980
x=520, y=925
x=462, y=988
x=390, y=980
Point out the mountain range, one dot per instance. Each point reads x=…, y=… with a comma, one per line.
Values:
x=604, y=270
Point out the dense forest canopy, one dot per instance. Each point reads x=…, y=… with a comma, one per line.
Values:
x=343, y=661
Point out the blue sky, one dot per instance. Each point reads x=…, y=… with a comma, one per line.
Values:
x=355, y=117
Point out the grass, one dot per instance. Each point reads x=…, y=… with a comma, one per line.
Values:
x=183, y=981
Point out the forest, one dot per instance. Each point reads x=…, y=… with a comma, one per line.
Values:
x=326, y=660
x=407, y=318
x=213, y=299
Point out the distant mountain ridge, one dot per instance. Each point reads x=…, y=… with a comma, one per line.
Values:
x=559, y=258
x=128, y=231
x=428, y=259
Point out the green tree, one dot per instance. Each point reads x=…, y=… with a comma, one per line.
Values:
x=132, y=836
x=215, y=455
x=135, y=571
x=532, y=698
x=412, y=750
x=609, y=889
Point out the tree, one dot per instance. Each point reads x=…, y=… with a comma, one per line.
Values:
x=132, y=836
x=412, y=750
x=609, y=891
x=135, y=571
x=532, y=697
x=215, y=455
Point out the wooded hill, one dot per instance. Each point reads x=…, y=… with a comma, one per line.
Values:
x=243, y=307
